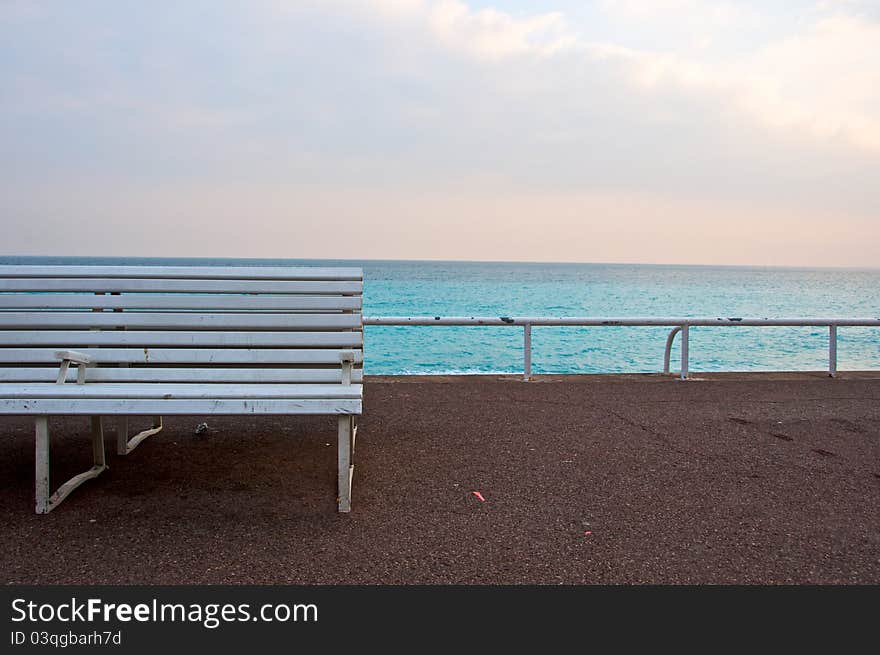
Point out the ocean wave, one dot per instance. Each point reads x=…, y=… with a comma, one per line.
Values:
x=448, y=371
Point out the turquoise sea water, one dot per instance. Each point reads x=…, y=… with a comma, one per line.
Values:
x=404, y=288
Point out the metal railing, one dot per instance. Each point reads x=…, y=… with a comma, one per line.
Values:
x=679, y=326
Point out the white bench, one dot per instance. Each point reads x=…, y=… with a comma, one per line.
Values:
x=178, y=340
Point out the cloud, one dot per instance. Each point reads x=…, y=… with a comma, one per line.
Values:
x=494, y=34
x=487, y=34
x=488, y=132
x=705, y=13
x=823, y=81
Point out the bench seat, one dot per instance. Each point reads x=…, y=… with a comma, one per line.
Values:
x=164, y=391
x=178, y=399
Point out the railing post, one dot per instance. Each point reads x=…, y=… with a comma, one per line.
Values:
x=667, y=353
x=684, y=351
x=527, y=351
x=832, y=350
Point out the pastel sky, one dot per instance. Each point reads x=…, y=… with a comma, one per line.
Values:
x=662, y=131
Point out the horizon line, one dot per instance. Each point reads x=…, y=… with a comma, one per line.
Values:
x=454, y=261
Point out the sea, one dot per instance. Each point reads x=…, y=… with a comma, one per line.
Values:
x=455, y=288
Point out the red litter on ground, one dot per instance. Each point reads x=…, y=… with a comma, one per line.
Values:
x=479, y=496
x=588, y=533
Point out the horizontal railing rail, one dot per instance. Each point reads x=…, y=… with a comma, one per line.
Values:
x=679, y=326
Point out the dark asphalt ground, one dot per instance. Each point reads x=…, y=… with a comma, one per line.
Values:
x=595, y=479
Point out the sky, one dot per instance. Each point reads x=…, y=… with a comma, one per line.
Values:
x=652, y=131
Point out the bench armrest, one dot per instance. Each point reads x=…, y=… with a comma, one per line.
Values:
x=73, y=356
x=68, y=357
x=346, y=357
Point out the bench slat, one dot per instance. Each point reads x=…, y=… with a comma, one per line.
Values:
x=196, y=321
x=167, y=391
x=124, y=285
x=74, y=339
x=196, y=356
x=177, y=301
x=186, y=272
x=202, y=375
x=193, y=407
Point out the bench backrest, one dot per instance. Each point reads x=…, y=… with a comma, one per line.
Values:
x=182, y=323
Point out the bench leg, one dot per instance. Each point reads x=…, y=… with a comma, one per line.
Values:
x=124, y=445
x=354, y=433
x=44, y=502
x=345, y=469
x=42, y=465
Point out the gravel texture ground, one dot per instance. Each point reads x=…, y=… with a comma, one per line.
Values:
x=593, y=479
